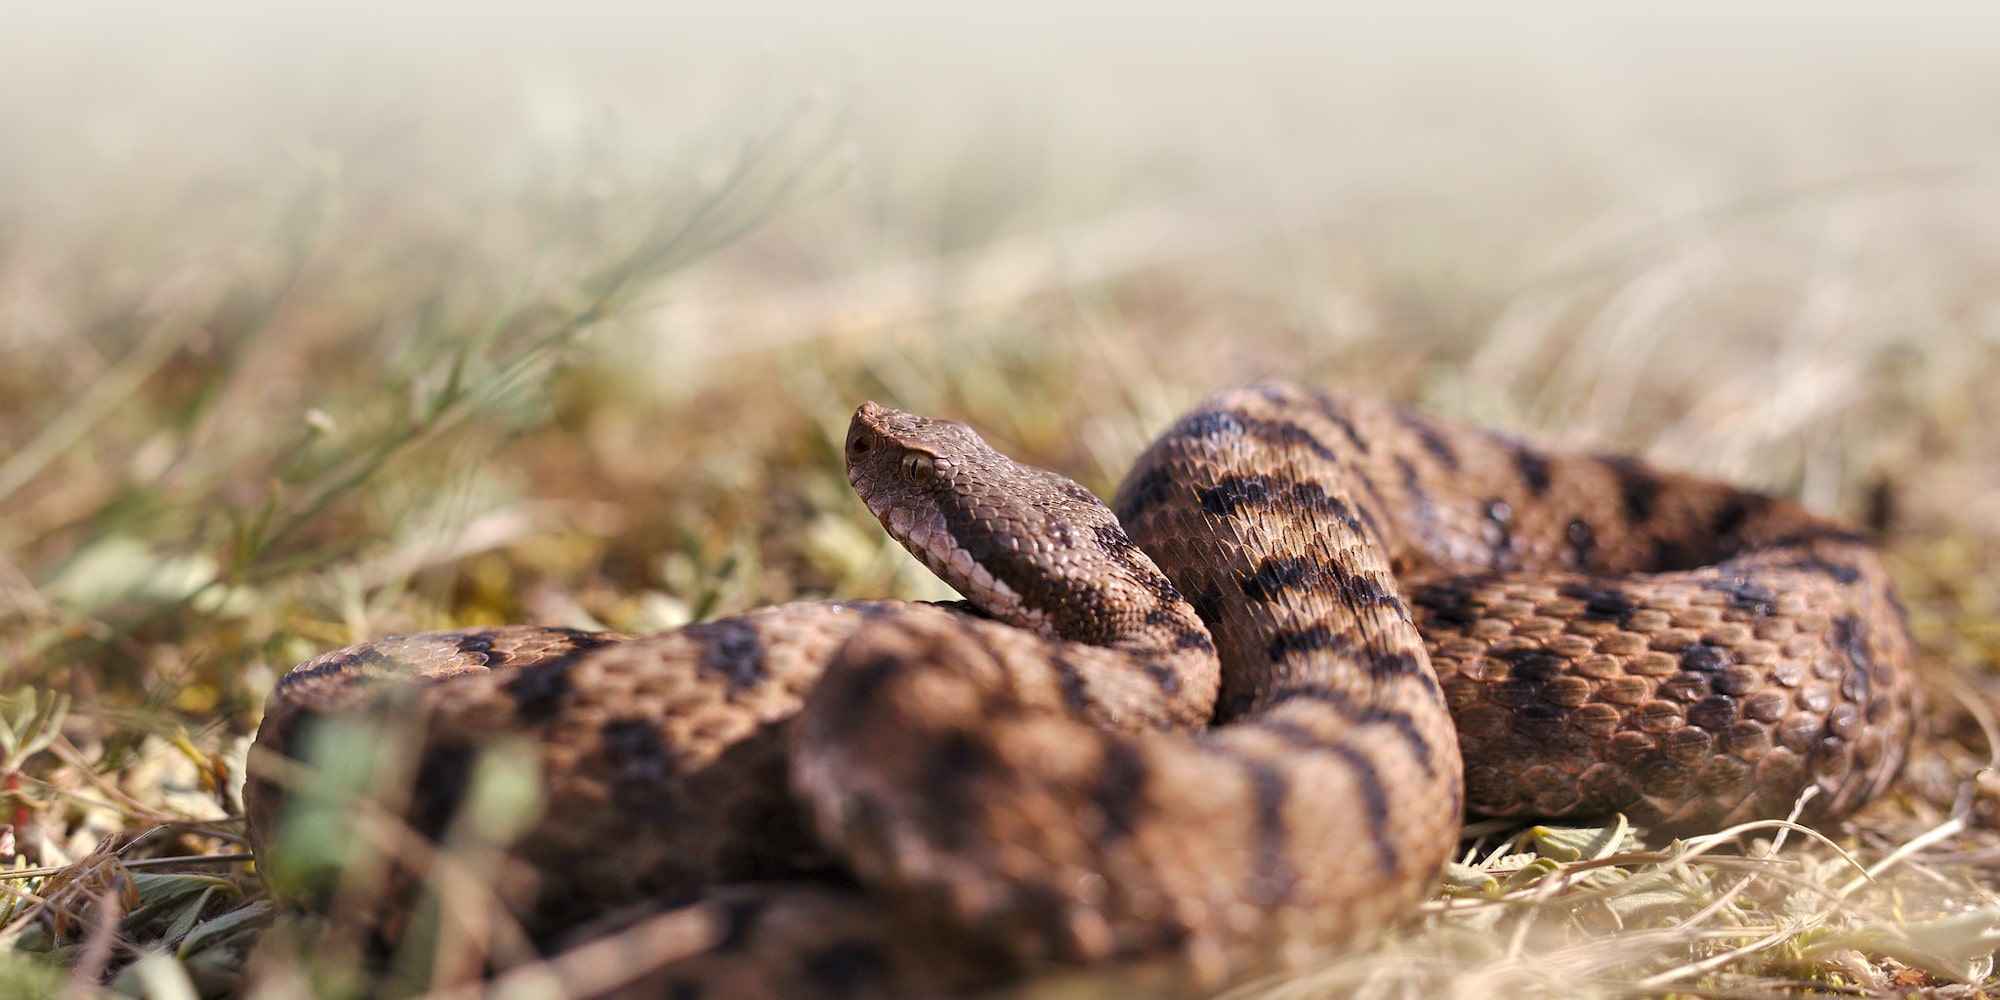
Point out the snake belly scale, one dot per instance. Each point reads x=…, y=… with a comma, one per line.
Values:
x=1233, y=727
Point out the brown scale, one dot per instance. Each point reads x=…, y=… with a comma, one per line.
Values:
x=1613, y=638
x=1099, y=771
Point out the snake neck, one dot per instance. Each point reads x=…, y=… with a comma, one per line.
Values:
x=1025, y=545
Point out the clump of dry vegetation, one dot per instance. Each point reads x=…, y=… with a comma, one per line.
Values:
x=280, y=375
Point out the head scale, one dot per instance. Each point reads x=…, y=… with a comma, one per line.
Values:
x=1024, y=544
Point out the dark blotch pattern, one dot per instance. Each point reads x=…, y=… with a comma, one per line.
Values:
x=1420, y=498
x=1703, y=658
x=1850, y=637
x=1231, y=495
x=1602, y=603
x=1449, y=603
x=349, y=661
x=1374, y=801
x=952, y=780
x=1075, y=695
x=1121, y=789
x=1434, y=442
x=1731, y=515
x=1150, y=490
x=1272, y=880
x=1744, y=596
x=1354, y=715
x=1389, y=665
x=1279, y=574
x=1638, y=488
x=1334, y=415
x=477, y=644
x=538, y=691
x=643, y=765
x=1311, y=639
x=733, y=650
x=1275, y=433
x=1532, y=467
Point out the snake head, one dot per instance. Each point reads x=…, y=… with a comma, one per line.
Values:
x=1025, y=545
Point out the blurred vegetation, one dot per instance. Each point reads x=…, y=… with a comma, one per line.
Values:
x=288, y=375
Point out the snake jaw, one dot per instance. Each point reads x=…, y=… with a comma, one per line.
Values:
x=880, y=441
x=1026, y=545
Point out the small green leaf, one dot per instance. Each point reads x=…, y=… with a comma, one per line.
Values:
x=1564, y=843
x=1465, y=880
x=221, y=927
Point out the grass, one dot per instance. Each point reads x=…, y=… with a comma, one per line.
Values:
x=397, y=375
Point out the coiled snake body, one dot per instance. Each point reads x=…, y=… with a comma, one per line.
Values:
x=1224, y=728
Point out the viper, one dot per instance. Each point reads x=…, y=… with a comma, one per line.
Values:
x=1232, y=727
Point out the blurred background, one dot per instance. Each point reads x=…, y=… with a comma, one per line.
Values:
x=320, y=321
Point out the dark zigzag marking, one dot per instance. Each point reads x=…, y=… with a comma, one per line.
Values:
x=1311, y=639
x=1532, y=466
x=643, y=763
x=1121, y=788
x=1602, y=602
x=1812, y=561
x=1367, y=510
x=1272, y=880
x=1734, y=512
x=949, y=780
x=1343, y=705
x=1752, y=599
x=1413, y=485
x=1331, y=411
x=1075, y=695
x=1638, y=487
x=476, y=644
x=1387, y=665
x=538, y=691
x=1113, y=541
x=338, y=663
x=1155, y=486
x=1375, y=797
x=1276, y=433
x=732, y=649
x=1068, y=678
x=443, y=774
x=1186, y=636
x=1231, y=495
x=1433, y=440
x=469, y=643
x=858, y=686
x=1850, y=636
x=1278, y=575
x=1074, y=605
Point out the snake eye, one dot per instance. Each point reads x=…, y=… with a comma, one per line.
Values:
x=917, y=468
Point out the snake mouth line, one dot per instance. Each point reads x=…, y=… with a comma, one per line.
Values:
x=925, y=536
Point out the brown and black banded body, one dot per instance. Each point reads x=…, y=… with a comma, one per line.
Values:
x=1610, y=637
x=1216, y=731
